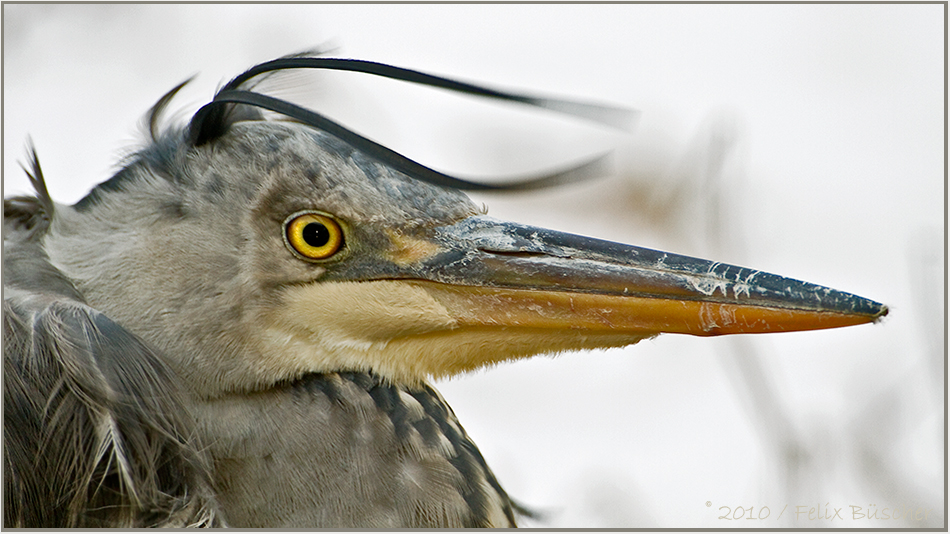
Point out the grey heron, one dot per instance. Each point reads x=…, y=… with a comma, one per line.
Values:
x=240, y=326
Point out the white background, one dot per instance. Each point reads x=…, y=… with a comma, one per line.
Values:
x=805, y=140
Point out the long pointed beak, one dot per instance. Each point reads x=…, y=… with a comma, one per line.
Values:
x=487, y=272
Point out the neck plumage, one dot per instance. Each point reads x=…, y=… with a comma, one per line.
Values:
x=348, y=450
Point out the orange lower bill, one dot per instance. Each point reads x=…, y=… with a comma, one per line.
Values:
x=597, y=313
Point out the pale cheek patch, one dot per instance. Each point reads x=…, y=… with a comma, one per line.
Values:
x=348, y=325
x=365, y=311
x=399, y=331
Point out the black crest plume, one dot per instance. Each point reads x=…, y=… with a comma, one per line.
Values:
x=214, y=119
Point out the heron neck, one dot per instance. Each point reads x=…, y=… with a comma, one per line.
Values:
x=348, y=450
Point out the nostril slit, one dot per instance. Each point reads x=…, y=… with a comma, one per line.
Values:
x=513, y=253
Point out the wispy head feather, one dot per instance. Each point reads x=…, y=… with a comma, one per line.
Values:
x=233, y=102
x=30, y=213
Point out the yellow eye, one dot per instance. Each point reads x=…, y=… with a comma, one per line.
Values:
x=314, y=236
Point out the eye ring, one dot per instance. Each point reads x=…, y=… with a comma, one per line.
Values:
x=313, y=235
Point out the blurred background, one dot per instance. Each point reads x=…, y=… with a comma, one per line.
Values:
x=804, y=140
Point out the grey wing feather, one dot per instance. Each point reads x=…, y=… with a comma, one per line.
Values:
x=93, y=435
x=95, y=432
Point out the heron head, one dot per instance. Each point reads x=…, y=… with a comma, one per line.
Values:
x=254, y=251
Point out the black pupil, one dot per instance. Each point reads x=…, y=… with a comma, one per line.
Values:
x=316, y=234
